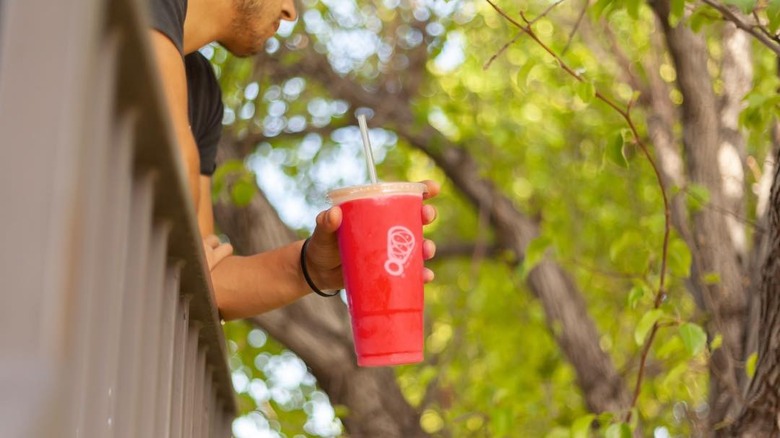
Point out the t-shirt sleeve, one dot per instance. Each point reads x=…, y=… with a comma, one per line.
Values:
x=205, y=108
x=167, y=16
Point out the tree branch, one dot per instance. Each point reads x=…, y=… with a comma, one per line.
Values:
x=566, y=310
x=729, y=15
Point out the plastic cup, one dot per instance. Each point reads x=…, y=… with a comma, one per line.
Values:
x=380, y=241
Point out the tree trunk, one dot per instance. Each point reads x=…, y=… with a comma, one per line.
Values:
x=713, y=251
x=760, y=416
x=318, y=331
x=761, y=413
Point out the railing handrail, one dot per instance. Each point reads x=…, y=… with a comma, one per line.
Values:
x=172, y=195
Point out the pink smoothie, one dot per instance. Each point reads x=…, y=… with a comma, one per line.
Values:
x=380, y=240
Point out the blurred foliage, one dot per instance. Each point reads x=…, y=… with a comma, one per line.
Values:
x=562, y=156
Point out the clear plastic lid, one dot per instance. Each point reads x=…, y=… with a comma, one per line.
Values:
x=345, y=194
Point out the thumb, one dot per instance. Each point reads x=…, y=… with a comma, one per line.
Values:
x=329, y=220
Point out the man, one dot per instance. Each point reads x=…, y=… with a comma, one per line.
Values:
x=244, y=286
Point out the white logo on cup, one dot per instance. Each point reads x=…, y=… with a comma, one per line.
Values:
x=400, y=243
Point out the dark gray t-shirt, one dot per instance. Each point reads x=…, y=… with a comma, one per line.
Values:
x=204, y=94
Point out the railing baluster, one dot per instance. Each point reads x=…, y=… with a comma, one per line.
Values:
x=197, y=400
x=227, y=426
x=206, y=405
x=150, y=335
x=92, y=415
x=180, y=368
x=215, y=417
x=190, y=377
x=168, y=348
x=114, y=253
x=132, y=306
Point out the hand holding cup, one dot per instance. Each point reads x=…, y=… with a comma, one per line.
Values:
x=322, y=255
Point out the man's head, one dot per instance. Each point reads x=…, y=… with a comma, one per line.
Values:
x=254, y=22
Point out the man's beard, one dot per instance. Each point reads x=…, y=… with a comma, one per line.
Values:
x=246, y=37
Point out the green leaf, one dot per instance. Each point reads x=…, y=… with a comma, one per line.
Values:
x=671, y=345
x=699, y=17
x=675, y=376
x=615, y=152
x=717, y=341
x=750, y=365
x=534, y=253
x=636, y=294
x=645, y=324
x=711, y=278
x=601, y=8
x=524, y=74
x=693, y=337
x=605, y=418
x=676, y=13
x=618, y=430
x=242, y=193
x=679, y=258
x=586, y=91
x=581, y=426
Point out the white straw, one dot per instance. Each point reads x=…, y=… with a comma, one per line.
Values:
x=367, y=147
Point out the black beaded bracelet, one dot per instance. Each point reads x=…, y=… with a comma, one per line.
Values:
x=306, y=273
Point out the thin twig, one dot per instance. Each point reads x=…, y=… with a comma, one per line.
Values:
x=501, y=50
x=514, y=40
x=731, y=16
x=661, y=293
x=576, y=27
x=724, y=211
x=546, y=11
x=763, y=28
x=604, y=273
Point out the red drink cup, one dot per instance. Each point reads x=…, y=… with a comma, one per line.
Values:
x=380, y=240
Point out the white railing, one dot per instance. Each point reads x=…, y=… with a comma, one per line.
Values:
x=107, y=323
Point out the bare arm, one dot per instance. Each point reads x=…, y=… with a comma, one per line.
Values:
x=174, y=81
x=247, y=286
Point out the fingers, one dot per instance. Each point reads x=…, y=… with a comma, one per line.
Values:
x=212, y=241
x=429, y=249
x=428, y=275
x=221, y=252
x=429, y=211
x=428, y=214
x=433, y=189
x=215, y=250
